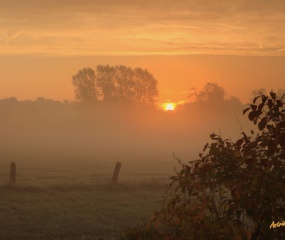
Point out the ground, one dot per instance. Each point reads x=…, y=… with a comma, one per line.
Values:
x=75, y=200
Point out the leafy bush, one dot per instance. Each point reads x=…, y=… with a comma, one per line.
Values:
x=235, y=190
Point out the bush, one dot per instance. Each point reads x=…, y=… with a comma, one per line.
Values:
x=235, y=190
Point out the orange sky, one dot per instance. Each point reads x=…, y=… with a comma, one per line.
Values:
x=238, y=44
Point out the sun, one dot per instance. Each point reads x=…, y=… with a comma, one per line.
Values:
x=169, y=106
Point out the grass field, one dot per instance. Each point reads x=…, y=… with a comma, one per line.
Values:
x=73, y=199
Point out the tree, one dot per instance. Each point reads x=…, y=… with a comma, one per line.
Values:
x=84, y=83
x=235, y=190
x=116, y=83
x=106, y=82
x=211, y=92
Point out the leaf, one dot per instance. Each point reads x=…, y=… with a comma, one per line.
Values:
x=248, y=235
x=273, y=95
x=279, y=103
x=221, y=142
x=270, y=103
x=264, y=98
x=228, y=145
x=196, y=165
x=188, y=168
x=213, y=149
x=262, y=123
x=205, y=147
x=245, y=110
x=260, y=107
x=212, y=136
x=255, y=121
x=206, y=167
x=254, y=100
x=253, y=107
x=252, y=115
x=245, y=136
x=239, y=143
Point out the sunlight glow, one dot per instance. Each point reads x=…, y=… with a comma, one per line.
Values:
x=169, y=107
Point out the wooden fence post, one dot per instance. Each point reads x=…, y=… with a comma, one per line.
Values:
x=116, y=173
x=13, y=173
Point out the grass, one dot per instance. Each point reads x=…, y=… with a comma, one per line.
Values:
x=75, y=212
x=72, y=201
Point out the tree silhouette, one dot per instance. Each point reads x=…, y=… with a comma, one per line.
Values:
x=84, y=83
x=116, y=83
x=210, y=92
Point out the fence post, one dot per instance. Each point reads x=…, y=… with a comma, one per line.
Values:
x=13, y=173
x=116, y=173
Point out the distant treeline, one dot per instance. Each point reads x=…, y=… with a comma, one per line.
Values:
x=210, y=108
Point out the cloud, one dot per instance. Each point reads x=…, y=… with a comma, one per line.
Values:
x=14, y=36
x=145, y=27
x=260, y=44
x=280, y=50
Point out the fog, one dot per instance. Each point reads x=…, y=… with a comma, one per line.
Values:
x=46, y=129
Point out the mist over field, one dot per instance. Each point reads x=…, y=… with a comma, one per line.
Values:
x=44, y=129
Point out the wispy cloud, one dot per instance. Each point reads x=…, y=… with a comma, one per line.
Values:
x=92, y=27
x=260, y=44
x=14, y=36
x=280, y=50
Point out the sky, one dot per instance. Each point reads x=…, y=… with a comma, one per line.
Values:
x=239, y=44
